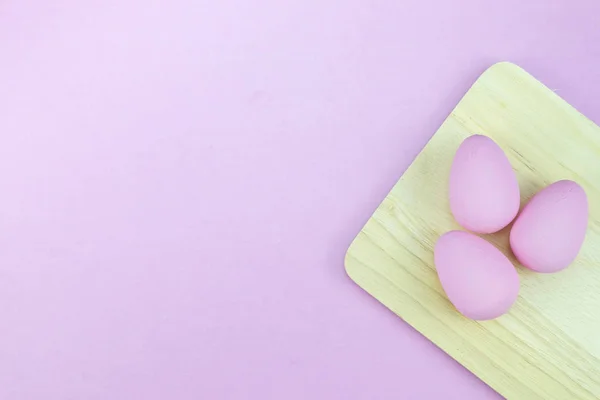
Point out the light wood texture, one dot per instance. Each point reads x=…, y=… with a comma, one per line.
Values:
x=548, y=345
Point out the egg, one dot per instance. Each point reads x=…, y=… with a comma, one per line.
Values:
x=483, y=189
x=478, y=279
x=550, y=231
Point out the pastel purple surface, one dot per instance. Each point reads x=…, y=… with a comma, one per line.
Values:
x=483, y=190
x=549, y=232
x=181, y=180
x=477, y=278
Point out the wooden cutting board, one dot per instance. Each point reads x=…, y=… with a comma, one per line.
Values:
x=548, y=345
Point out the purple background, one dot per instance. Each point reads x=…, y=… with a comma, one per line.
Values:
x=180, y=181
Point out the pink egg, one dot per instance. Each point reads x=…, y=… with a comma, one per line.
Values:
x=478, y=279
x=483, y=190
x=548, y=234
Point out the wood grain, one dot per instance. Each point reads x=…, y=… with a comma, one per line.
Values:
x=548, y=345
